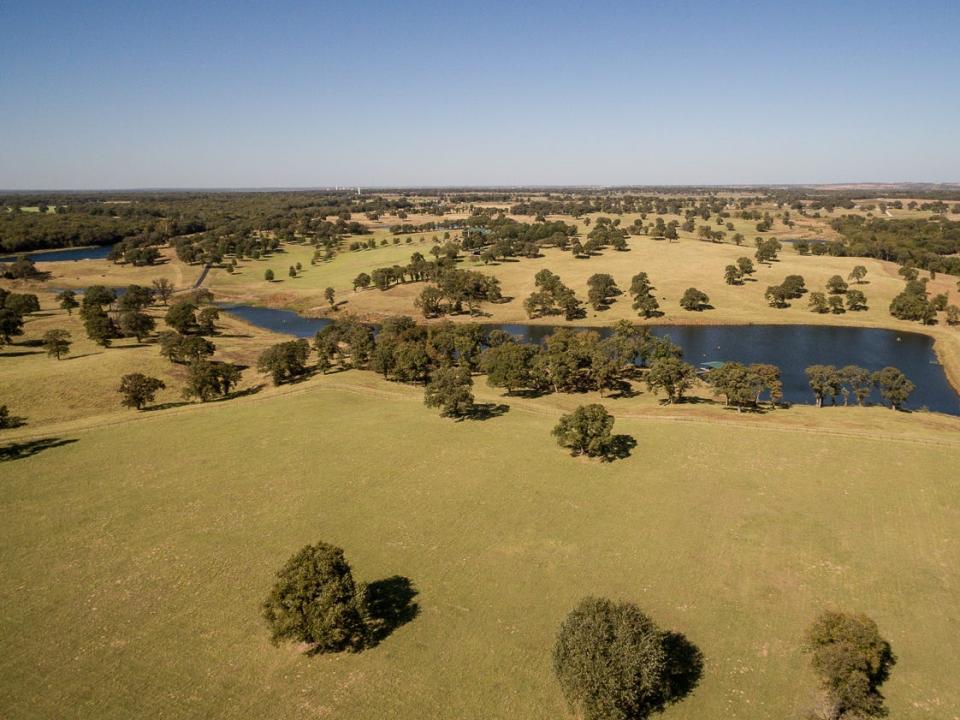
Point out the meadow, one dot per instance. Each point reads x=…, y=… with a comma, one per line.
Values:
x=136, y=547
x=135, y=555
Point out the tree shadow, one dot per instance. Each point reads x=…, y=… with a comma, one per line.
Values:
x=390, y=602
x=18, y=451
x=166, y=406
x=684, y=666
x=21, y=354
x=619, y=448
x=530, y=393
x=486, y=411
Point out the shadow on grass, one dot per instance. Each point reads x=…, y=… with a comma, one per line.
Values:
x=390, y=602
x=18, y=451
x=486, y=411
x=22, y=353
x=620, y=447
x=684, y=666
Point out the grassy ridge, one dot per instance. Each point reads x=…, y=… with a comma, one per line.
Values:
x=135, y=558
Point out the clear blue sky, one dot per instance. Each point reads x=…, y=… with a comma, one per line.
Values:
x=99, y=94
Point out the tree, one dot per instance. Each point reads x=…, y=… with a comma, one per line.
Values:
x=894, y=386
x=912, y=304
x=68, y=301
x=818, y=303
x=178, y=348
x=859, y=380
x=910, y=274
x=207, y=321
x=136, y=324
x=694, y=300
x=611, y=661
x=328, y=295
x=825, y=381
x=776, y=296
x=285, y=361
x=642, y=292
x=671, y=375
x=268, y=275
x=315, y=600
x=953, y=315
x=210, y=379
x=745, y=266
x=835, y=302
x=100, y=327
x=601, y=290
x=586, y=431
x=741, y=385
x=163, y=289
x=182, y=317
x=767, y=250
x=56, y=342
x=135, y=297
x=732, y=275
x=11, y=324
x=361, y=282
x=97, y=296
x=852, y=660
x=510, y=365
x=858, y=273
x=6, y=419
x=449, y=390
x=292, y=272
x=22, y=303
x=429, y=301
x=139, y=389
x=836, y=285
x=856, y=300
x=794, y=286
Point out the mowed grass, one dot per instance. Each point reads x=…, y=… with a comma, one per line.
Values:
x=134, y=558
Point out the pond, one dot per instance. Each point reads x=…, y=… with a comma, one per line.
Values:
x=96, y=252
x=792, y=348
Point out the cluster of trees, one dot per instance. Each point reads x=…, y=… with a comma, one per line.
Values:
x=743, y=386
x=827, y=381
x=914, y=301
x=552, y=297
x=456, y=289
x=23, y=268
x=452, y=288
x=190, y=321
x=404, y=351
x=735, y=274
x=931, y=244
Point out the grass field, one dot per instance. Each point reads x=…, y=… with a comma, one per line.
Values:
x=672, y=267
x=134, y=556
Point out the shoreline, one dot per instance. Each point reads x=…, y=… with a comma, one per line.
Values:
x=936, y=334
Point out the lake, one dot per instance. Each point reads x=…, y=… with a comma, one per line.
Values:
x=792, y=348
x=97, y=252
